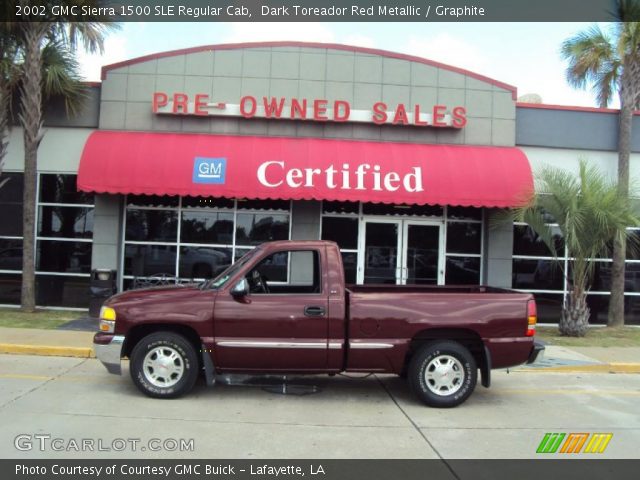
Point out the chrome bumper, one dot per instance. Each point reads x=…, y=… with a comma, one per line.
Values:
x=108, y=349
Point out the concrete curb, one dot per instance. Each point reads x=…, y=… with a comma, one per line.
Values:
x=594, y=368
x=47, y=350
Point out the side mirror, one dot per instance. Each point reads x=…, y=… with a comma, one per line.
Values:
x=240, y=289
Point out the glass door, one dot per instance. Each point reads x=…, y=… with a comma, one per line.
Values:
x=401, y=252
x=380, y=245
x=422, y=262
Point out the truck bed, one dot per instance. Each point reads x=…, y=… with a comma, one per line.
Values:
x=383, y=320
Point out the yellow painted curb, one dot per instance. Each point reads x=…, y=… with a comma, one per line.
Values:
x=595, y=368
x=46, y=350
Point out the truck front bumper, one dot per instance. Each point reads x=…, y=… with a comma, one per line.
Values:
x=108, y=349
x=537, y=352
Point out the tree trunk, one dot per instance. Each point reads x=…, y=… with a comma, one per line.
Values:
x=574, y=321
x=5, y=96
x=627, y=101
x=31, y=120
x=4, y=131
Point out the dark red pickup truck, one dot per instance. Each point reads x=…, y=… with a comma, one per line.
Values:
x=284, y=308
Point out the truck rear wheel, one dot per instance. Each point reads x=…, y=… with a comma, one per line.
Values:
x=164, y=365
x=443, y=374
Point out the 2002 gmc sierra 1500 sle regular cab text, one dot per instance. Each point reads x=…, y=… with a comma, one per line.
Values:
x=284, y=308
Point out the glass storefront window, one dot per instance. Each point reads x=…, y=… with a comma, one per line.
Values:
x=152, y=225
x=65, y=222
x=11, y=205
x=464, y=213
x=207, y=227
x=159, y=201
x=342, y=230
x=527, y=242
x=257, y=228
x=464, y=237
x=58, y=188
x=272, y=205
x=350, y=264
x=197, y=238
x=62, y=291
x=537, y=275
x=633, y=246
x=207, y=202
x=203, y=262
x=417, y=210
x=10, y=288
x=462, y=271
x=632, y=277
x=63, y=257
x=340, y=207
x=531, y=272
x=10, y=254
x=149, y=260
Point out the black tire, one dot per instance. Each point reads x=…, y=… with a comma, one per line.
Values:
x=452, y=358
x=161, y=348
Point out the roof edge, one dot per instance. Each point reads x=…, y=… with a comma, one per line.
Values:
x=571, y=108
x=333, y=46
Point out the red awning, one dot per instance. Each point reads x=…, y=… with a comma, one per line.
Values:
x=303, y=168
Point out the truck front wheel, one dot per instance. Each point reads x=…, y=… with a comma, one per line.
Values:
x=164, y=365
x=443, y=374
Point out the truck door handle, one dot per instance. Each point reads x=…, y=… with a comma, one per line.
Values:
x=314, y=311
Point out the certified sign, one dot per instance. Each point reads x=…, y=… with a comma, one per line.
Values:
x=209, y=170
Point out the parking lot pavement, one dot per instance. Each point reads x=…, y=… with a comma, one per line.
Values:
x=373, y=417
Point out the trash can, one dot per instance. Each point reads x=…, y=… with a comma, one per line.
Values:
x=102, y=285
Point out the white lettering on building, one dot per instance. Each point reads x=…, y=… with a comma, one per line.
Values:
x=274, y=173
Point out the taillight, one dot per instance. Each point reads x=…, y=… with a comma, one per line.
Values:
x=532, y=318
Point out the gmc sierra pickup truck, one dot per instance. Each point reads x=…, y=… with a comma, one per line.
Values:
x=284, y=308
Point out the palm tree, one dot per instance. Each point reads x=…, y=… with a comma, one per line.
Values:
x=610, y=62
x=8, y=78
x=57, y=30
x=590, y=211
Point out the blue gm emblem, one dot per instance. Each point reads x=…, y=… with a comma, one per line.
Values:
x=209, y=170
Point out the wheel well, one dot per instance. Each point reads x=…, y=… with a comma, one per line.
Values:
x=138, y=332
x=468, y=338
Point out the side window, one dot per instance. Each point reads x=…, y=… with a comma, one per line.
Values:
x=290, y=271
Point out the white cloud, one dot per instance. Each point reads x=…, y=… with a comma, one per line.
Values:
x=359, y=40
x=115, y=50
x=274, y=31
x=447, y=49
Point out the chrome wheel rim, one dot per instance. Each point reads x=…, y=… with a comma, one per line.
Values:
x=163, y=367
x=444, y=375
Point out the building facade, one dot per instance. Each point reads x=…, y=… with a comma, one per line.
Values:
x=183, y=161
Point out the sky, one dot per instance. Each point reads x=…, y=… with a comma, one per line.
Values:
x=525, y=55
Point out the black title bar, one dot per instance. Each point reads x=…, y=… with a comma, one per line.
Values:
x=210, y=469
x=320, y=10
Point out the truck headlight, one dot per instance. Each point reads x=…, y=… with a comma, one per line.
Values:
x=107, y=319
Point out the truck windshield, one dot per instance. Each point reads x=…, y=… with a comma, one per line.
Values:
x=224, y=277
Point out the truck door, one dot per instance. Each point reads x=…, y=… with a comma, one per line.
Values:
x=281, y=322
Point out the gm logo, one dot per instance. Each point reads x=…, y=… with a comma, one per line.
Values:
x=573, y=443
x=209, y=170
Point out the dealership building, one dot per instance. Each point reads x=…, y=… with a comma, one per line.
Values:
x=182, y=161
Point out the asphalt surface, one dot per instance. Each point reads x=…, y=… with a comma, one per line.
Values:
x=71, y=399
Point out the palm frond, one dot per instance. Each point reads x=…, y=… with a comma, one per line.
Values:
x=61, y=77
x=589, y=53
x=590, y=212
